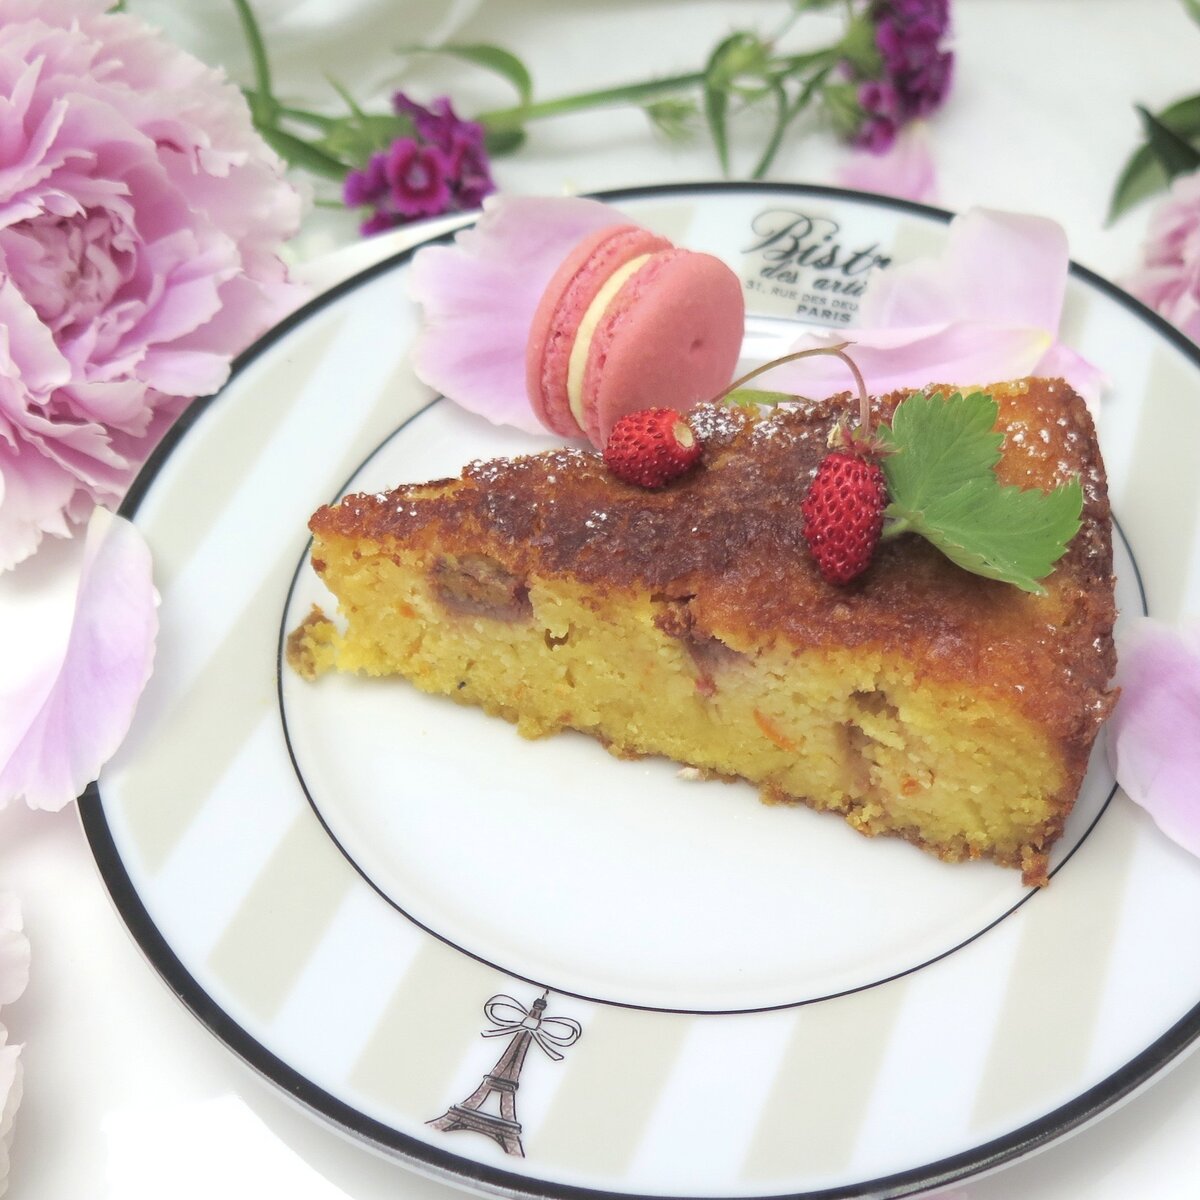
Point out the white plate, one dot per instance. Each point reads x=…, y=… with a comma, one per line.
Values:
x=350, y=882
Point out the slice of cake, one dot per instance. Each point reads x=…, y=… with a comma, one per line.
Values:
x=920, y=701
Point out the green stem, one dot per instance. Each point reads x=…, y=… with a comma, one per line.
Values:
x=504, y=118
x=306, y=118
x=266, y=106
x=838, y=351
x=518, y=114
x=303, y=115
x=895, y=526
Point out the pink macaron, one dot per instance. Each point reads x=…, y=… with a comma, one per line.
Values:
x=630, y=322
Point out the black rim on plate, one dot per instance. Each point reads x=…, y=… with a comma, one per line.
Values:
x=454, y=1168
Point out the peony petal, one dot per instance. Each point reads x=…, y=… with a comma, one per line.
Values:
x=34, y=491
x=141, y=220
x=479, y=297
x=905, y=170
x=109, y=652
x=1154, y=732
x=961, y=354
x=1010, y=268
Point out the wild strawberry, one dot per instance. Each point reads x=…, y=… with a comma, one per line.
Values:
x=651, y=447
x=843, y=514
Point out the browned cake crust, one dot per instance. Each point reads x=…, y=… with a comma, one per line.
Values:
x=727, y=539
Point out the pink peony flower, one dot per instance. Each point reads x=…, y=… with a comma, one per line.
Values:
x=1154, y=732
x=1169, y=280
x=140, y=222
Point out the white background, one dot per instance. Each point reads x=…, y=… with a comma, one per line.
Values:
x=127, y=1097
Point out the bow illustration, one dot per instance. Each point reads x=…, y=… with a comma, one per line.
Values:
x=509, y=1015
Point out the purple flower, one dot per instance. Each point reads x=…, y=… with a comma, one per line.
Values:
x=914, y=72
x=417, y=177
x=443, y=168
x=140, y=222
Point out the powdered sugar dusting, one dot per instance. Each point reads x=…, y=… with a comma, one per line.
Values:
x=716, y=422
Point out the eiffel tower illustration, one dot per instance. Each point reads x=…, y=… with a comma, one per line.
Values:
x=525, y=1026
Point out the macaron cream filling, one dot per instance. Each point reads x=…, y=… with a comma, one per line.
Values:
x=582, y=344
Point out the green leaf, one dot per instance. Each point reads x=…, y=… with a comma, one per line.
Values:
x=347, y=99
x=793, y=109
x=1176, y=155
x=1193, y=9
x=716, y=108
x=1143, y=174
x=492, y=58
x=943, y=485
x=859, y=47
x=299, y=153
x=782, y=116
x=503, y=141
x=673, y=116
x=354, y=139
x=717, y=78
x=302, y=115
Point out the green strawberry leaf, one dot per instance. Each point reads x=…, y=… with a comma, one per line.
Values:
x=946, y=442
x=943, y=486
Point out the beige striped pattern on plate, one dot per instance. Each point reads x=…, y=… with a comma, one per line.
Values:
x=281, y=932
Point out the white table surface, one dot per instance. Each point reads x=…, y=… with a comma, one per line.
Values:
x=127, y=1097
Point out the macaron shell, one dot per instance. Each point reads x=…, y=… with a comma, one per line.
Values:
x=562, y=306
x=670, y=339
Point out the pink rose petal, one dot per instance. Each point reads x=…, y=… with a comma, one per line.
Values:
x=905, y=170
x=1154, y=732
x=1010, y=268
x=964, y=353
x=84, y=707
x=985, y=309
x=480, y=293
